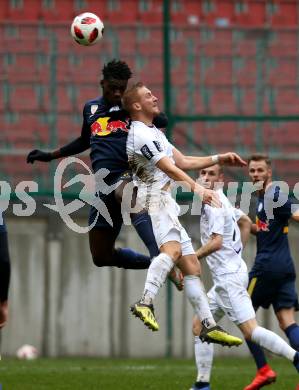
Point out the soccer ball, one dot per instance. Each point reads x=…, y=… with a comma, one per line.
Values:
x=87, y=29
x=27, y=352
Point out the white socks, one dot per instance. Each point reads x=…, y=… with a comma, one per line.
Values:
x=156, y=276
x=272, y=342
x=204, y=359
x=197, y=296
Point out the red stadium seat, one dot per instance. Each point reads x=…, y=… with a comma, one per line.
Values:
x=248, y=101
x=3, y=10
x=85, y=93
x=221, y=135
x=151, y=43
x=67, y=128
x=186, y=13
x=222, y=101
x=95, y=6
x=219, y=44
x=285, y=73
x=65, y=100
x=28, y=11
x=222, y=14
x=23, y=98
x=26, y=132
x=286, y=39
x=28, y=64
x=286, y=15
x=254, y=14
x=247, y=136
x=127, y=42
x=122, y=12
x=152, y=72
x=58, y=10
x=220, y=73
x=153, y=12
x=245, y=75
x=287, y=100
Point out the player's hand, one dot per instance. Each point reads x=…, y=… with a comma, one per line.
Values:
x=38, y=155
x=209, y=197
x=231, y=159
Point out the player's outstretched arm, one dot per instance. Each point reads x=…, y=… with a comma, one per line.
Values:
x=196, y=163
x=77, y=146
x=208, y=196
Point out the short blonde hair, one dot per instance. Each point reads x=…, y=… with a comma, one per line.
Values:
x=131, y=96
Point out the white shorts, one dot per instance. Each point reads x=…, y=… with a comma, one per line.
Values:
x=229, y=296
x=166, y=225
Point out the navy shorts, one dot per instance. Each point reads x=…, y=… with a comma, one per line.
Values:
x=276, y=290
x=107, y=213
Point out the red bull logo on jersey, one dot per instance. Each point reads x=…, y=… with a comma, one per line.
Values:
x=103, y=127
x=262, y=226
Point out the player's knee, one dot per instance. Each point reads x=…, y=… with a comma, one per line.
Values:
x=247, y=328
x=247, y=334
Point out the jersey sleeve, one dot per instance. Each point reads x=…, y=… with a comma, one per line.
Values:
x=147, y=145
x=238, y=213
x=216, y=220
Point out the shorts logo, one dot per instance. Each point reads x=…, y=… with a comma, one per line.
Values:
x=158, y=146
x=148, y=154
x=260, y=207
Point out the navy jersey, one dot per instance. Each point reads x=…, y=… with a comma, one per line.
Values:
x=273, y=252
x=107, y=128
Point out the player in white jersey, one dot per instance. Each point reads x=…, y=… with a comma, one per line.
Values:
x=222, y=247
x=151, y=158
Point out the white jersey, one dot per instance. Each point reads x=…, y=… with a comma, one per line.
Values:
x=145, y=147
x=223, y=221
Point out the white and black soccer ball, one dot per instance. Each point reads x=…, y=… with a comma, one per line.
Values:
x=87, y=29
x=27, y=352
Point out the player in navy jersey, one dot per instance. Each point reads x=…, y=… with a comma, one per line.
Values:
x=272, y=278
x=4, y=273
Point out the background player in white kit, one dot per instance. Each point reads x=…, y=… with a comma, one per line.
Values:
x=151, y=158
x=222, y=246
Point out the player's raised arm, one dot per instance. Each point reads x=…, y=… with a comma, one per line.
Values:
x=77, y=146
x=175, y=173
x=194, y=162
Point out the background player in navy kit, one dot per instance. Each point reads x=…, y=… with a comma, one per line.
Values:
x=272, y=278
x=104, y=131
x=4, y=273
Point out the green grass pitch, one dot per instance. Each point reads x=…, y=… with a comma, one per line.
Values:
x=133, y=374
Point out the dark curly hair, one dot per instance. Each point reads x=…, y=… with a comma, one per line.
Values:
x=117, y=70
